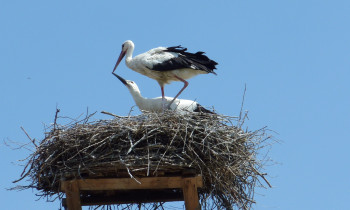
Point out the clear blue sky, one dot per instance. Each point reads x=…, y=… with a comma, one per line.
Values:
x=294, y=57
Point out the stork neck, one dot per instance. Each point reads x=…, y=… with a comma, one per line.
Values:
x=136, y=94
x=128, y=55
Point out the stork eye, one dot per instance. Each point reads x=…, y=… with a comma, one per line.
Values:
x=123, y=46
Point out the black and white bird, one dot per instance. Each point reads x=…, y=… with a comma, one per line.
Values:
x=181, y=106
x=167, y=64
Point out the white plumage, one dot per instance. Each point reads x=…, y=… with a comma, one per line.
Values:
x=181, y=106
x=167, y=64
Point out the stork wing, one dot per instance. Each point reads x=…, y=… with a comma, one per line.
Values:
x=172, y=58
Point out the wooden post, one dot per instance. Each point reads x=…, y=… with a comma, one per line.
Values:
x=190, y=194
x=73, y=195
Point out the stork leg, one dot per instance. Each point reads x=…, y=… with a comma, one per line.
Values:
x=163, y=97
x=185, y=85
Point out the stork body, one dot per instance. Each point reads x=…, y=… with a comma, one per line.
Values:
x=181, y=106
x=167, y=64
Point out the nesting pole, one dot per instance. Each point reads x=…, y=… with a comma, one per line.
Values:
x=189, y=186
x=72, y=191
x=190, y=193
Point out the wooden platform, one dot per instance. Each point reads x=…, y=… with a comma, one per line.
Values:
x=128, y=190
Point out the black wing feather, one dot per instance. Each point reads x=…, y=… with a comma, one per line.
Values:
x=201, y=109
x=197, y=61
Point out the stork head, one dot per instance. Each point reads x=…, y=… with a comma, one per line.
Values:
x=125, y=48
x=131, y=85
x=128, y=44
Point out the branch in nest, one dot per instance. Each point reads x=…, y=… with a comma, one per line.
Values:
x=32, y=140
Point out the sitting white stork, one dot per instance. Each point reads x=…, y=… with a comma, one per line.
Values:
x=167, y=64
x=180, y=106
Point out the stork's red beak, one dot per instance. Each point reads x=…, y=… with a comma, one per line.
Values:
x=121, y=56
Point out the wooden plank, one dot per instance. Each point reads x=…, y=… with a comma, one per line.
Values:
x=190, y=194
x=132, y=196
x=128, y=183
x=73, y=195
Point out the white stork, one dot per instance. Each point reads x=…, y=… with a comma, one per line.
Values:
x=180, y=106
x=167, y=64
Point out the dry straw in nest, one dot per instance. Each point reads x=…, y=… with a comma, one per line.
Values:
x=215, y=146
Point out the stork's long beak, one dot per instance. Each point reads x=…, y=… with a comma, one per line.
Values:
x=121, y=56
x=120, y=78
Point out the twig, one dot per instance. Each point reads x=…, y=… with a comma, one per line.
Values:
x=55, y=120
x=242, y=104
x=143, y=138
x=108, y=113
x=32, y=140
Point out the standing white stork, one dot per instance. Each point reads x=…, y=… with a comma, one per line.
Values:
x=180, y=106
x=167, y=64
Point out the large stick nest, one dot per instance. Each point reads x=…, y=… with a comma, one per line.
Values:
x=150, y=144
